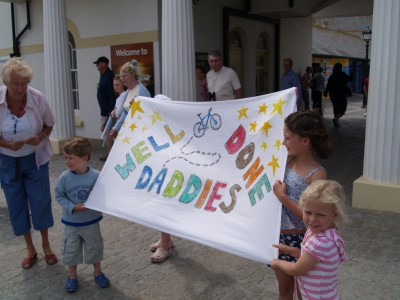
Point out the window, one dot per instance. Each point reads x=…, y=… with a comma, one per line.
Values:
x=74, y=71
x=262, y=65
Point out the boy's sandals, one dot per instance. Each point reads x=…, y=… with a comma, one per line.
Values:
x=71, y=286
x=156, y=245
x=102, y=280
x=160, y=255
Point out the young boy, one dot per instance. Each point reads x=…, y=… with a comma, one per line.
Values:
x=82, y=239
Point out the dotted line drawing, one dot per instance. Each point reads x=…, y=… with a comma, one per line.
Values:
x=194, y=152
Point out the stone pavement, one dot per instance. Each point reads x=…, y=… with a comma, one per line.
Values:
x=199, y=272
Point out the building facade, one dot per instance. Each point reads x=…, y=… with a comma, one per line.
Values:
x=61, y=39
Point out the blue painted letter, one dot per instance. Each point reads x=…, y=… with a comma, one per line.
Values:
x=128, y=167
x=142, y=184
x=158, y=180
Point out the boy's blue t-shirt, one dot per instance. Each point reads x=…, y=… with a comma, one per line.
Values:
x=71, y=189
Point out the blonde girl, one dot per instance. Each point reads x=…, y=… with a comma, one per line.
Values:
x=322, y=249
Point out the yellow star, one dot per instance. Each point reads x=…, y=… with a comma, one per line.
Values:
x=135, y=107
x=133, y=126
x=266, y=127
x=278, y=144
x=278, y=107
x=264, y=146
x=243, y=112
x=263, y=109
x=125, y=140
x=155, y=117
x=253, y=126
x=274, y=164
x=145, y=128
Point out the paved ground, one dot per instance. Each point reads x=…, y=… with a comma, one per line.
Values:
x=199, y=272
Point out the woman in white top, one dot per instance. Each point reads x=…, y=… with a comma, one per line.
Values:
x=26, y=121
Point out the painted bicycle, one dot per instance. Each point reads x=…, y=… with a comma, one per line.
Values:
x=213, y=119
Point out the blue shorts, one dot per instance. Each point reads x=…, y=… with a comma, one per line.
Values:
x=292, y=240
x=27, y=192
x=82, y=244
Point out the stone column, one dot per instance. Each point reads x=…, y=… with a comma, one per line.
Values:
x=177, y=50
x=379, y=187
x=57, y=71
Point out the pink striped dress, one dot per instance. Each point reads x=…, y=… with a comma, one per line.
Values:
x=321, y=282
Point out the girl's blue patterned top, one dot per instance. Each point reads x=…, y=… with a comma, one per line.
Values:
x=295, y=185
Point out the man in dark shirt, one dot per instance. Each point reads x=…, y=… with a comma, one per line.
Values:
x=105, y=94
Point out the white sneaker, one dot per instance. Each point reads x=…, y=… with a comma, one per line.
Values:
x=365, y=115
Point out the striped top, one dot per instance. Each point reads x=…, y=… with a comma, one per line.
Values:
x=321, y=282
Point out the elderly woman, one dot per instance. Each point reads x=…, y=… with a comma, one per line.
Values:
x=129, y=78
x=26, y=121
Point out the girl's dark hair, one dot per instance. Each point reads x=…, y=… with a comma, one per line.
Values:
x=310, y=124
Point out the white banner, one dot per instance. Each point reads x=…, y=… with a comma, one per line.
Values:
x=202, y=171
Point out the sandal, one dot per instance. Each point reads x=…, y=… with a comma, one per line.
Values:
x=28, y=262
x=160, y=255
x=101, y=280
x=51, y=259
x=156, y=245
x=71, y=286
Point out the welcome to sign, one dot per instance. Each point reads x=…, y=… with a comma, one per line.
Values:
x=203, y=171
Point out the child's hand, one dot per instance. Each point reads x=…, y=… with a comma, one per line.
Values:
x=279, y=189
x=275, y=264
x=283, y=248
x=295, y=252
x=79, y=207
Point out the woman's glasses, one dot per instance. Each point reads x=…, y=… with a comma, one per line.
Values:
x=19, y=84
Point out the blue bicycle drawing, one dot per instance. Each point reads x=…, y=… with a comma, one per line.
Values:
x=200, y=127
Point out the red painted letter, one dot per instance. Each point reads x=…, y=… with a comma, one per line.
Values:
x=236, y=141
x=214, y=195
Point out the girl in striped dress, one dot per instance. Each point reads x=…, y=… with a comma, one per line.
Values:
x=322, y=249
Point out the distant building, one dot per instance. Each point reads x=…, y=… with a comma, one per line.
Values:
x=340, y=40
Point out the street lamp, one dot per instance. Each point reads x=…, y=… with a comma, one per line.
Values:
x=367, y=33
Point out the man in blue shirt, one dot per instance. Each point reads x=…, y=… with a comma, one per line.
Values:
x=291, y=79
